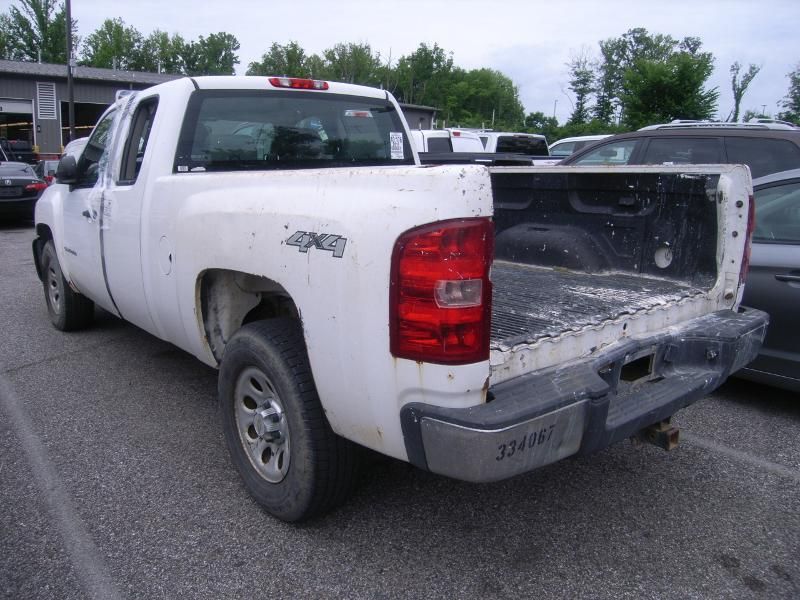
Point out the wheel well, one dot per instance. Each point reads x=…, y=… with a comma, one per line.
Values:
x=43, y=235
x=230, y=299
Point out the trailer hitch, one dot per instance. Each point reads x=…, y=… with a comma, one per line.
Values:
x=662, y=434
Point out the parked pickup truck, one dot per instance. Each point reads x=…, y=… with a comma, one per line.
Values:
x=459, y=146
x=476, y=322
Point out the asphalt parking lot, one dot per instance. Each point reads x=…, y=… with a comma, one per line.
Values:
x=114, y=483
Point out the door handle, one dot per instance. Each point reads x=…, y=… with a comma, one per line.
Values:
x=792, y=278
x=86, y=214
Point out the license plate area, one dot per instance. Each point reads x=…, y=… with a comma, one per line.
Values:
x=10, y=192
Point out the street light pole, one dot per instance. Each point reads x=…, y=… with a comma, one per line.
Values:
x=70, y=67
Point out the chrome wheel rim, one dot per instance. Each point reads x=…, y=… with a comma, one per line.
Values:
x=54, y=288
x=262, y=425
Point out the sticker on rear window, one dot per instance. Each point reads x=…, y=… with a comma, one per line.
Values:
x=396, y=143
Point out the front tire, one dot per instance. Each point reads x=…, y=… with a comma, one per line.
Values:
x=68, y=310
x=292, y=462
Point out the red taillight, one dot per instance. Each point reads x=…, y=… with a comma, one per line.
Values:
x=748, y=242
x=441, y=295
x=36, y=187
x=48, y=179
x=456, y=134
x=298, y=84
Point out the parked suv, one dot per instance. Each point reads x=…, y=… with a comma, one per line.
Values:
x=765, y=147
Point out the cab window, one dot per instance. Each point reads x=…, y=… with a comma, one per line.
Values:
x=232, y=130
x=139, y=134
x=96, y=150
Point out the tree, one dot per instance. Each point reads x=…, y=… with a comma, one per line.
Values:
x=739, y=86
x=659, y=91
x=161, y=53
x=424, y=76
x=538, y=122
x=483, y=97
x=791, y=102
x=113, y=46
x=353, y=63
x=581, y=82
x=36, y=30
x=289, y=60
x=751, y=113
x=619, y=55
x=212, y=55
x=608, y=86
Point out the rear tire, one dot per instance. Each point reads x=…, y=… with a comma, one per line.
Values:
x=275, y=428
x=68, y=310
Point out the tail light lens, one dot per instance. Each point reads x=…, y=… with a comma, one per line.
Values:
x=748, y=242
x=298, y=84
x=36, y=187
x=441, y=295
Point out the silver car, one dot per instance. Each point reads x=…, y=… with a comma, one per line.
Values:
x=773, y=283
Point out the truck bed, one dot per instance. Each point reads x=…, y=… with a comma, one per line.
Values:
x=530, y=303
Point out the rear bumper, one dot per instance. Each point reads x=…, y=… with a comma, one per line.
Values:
x=583, y=406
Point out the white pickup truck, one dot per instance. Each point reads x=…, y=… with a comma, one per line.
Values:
x=476, y=322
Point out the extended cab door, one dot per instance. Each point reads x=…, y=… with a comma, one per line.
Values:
x=84, y=219
x=121, y=235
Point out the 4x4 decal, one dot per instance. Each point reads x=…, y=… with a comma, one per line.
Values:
x=322, y=241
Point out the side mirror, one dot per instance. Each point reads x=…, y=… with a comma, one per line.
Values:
x=67, y=171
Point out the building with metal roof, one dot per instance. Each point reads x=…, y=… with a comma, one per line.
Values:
x=34, y=101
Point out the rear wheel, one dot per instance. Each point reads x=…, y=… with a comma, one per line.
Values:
x=292, y=462
x=68, y=310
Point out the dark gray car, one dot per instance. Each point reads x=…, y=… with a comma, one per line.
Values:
x=773, y=283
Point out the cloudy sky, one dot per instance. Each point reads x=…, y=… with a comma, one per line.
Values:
x=530, y=41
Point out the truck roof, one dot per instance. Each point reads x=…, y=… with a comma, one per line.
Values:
x=252, y=82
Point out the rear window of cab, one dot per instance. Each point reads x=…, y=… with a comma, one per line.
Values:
x=230, y=130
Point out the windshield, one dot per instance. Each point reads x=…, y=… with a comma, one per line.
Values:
x=239, y=130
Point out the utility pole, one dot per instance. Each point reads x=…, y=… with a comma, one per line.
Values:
x=70, y=67
x=555, y=103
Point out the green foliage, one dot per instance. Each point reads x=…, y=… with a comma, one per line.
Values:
x=112, y=46
x=639, y=62
x=538, y=122
x=424, y=75
x=212, y=55
x=353, y=63
x=34, y=28
x=116, y=46
x=791, y=102
x=658, y=91
x=288, y=61
x=581, y=82
x=161, y=53
x=751, y=113
x=739, y=86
